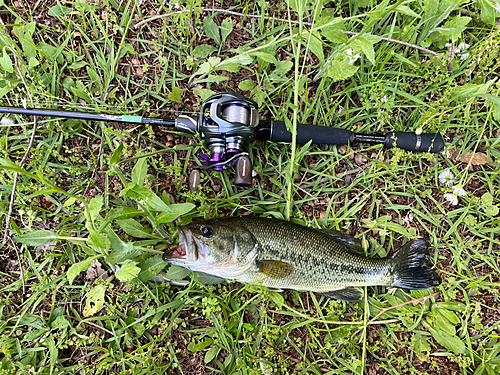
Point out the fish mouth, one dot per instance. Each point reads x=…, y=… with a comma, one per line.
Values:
x=185, y=252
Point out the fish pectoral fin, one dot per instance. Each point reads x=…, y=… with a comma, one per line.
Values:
x=349, y=294
x=351, y=244
x=274, y=269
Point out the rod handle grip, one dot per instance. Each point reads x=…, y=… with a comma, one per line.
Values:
x=427, y=142
x=317, y=134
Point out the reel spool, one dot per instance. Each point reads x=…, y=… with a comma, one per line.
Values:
x=227, y=124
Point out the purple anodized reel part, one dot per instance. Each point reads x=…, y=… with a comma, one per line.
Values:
x=218, y=157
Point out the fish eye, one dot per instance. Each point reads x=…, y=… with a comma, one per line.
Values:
x=207, y=232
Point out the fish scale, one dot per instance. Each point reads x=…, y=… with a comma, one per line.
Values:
x=319, y=261
x=283, y=255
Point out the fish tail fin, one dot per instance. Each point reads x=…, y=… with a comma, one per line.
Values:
x=410, y=266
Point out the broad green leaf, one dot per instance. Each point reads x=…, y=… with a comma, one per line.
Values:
x=203, y=51
x=177, y=272
x=316, y=46
x=140, y=171
x=6, y=62
x=211, y=354
x=259, y=96
x=454, y=27
x=488, y=11
x=29, y=47
x=452, y=343
x=492, y=210
x=77, y=65
x=177, y=210
x=340, y=69
x=207, y=279
x=128, y=271
x=367, y=48
x=95, y=300
x=115, y=158
x=264, y=56
x=208, y=66
x=37, y=238
x=79, y=267
x=50, y=343
x=176, y=94
x=333, y=31
x=95, y=206
x=204, y=94
x=81, y=94
x=99, y=242
x=241, y=59
x=282, y=67
x=228, y=66
x=59, y=323
x=144, y=195
x=200, y=346
x=121, y=251
x=406, y=10
x=379, y=11
x=226, y=28
x=151, y=267
x=278, y=299
x=49, y=51
x=211, y=29
x=444, y=324
x=94, y=77
x=246, y=85
x=487, y=199
x=421, y=343
x=123, y=213
x=135, y=229
x=213, y=78
x=60, y=10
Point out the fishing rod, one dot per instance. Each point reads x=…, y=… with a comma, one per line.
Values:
x=228, y=122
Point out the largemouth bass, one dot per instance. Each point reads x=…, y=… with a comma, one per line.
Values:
x=283, y=255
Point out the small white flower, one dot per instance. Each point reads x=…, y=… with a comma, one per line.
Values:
x=352, y=58
x=384, y=99
x=446, y=177
x=463, y=47
x=448, y=45
x=464, y=56
x=452, y=198
x=459, y=191
x=497, y=6
x=6, y=121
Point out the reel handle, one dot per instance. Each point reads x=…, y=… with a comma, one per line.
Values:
x=243, y=171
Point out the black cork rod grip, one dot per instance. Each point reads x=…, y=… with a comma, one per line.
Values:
x=276, y=131
x=425, y=142
x=317, y=134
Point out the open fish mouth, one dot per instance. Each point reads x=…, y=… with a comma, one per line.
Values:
x=184, y=252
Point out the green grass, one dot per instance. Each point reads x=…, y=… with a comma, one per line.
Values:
x=74, y=200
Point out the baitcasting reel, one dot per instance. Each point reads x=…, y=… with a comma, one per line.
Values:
x=229, y=122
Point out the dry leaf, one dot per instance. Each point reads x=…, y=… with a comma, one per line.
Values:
x=477, y=158
x=96, y=271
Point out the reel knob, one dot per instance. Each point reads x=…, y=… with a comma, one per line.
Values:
x=243, y=171
x=194, y=180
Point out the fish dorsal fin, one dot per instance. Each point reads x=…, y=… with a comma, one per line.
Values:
x=349, y=294
x=351, y=244
x=274, y=269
